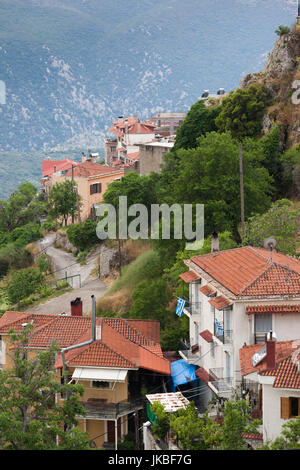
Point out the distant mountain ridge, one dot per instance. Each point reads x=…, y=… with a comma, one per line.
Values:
x=71, y=66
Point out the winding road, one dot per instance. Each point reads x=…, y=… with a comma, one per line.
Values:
x=84, y=286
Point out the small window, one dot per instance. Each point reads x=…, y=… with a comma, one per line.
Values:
x=290, y=407
x=100, y=384
x=95, y=188
x=294, y=406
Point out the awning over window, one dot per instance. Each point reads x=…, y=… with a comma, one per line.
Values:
x=188, y=276
x=105, y=375
x=220, y=302
x=182, y=373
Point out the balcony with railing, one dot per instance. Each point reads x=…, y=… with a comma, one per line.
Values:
x=225, y=336
x=98, y=409
x=192, y=308
x=191, y=354
x=221, y=385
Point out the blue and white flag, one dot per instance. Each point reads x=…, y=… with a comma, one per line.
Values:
x=180, y=306
x=219, y=328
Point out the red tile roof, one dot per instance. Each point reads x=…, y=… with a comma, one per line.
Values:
x=134, y=126
x=257, y=436
x=220, y=302
x=128, y=344
x=86, y=169
x=49, y=166
x=283, y=350
x=189, y=276
x=248, y=271
x=207, y=290
x=286, y=375
x=253, y=309
x=207, y=335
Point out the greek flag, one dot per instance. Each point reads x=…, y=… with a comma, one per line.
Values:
x=219, y=328
x=180, y=306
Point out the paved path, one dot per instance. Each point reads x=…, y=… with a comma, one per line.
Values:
x=63, y=262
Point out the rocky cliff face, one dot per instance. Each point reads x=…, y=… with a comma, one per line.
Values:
x=281, y=75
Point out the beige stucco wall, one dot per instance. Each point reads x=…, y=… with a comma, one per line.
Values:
x=83, y=187
x=151, y=157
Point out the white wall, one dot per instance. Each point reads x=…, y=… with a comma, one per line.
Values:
x=272, y=422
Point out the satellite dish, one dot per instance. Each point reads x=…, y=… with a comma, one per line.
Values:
x=270, y=243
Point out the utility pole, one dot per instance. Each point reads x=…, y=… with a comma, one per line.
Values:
x=242, y=191
x=136, y=425
x=73, y=194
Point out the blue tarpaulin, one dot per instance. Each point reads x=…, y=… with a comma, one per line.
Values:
x=182, y=373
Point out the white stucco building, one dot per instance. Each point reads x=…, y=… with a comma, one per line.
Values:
x=236, y=297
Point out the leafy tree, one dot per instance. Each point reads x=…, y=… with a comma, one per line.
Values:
x=13, y=257
x=199, y=120
x=23, y=283
x=186, y=426
x=290, y=161
x=281, y=221
x=26, y=234
x=30, y=417
x=289, y=438
x=64, y=200
x=209, y=175
x=22, y=206
x=83, y=235
x=237, y=420
x=242, y=114
x=150, y=300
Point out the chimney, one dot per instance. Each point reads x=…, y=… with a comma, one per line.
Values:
x=83, y=158
x=271, y=357
x=214, y=242
x=76, y=307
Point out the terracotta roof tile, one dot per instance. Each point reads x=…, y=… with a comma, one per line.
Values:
x=86, y=169
x=121, y=345
x=49, y=166
x=188, y=276
x=220, y=302
x=253, y=309
x=207, y=335
x=203, y=375
x=207, y=290
x=283, y=349
x=248, y=271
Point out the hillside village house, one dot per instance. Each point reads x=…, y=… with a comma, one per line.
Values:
x=112, y=358
x=140, y=146
x=236, y=297
x=91, y=179
x=129, y=133
x=271, y=376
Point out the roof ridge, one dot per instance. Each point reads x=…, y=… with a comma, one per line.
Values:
x=138, y=332
x=86, y=347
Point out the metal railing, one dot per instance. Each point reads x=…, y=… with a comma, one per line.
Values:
x=225, y=337
x=192, y=307
x=100, y=410
x=219, y=382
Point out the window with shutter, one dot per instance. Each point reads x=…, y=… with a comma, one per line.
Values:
x=285, y=408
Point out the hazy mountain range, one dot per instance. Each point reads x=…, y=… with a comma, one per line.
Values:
x=72, y=66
